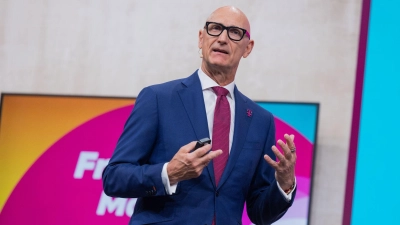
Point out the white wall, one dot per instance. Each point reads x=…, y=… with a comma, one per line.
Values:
x=305, y=50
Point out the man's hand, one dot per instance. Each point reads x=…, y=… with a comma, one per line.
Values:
x=186, y=165
x=284, y=168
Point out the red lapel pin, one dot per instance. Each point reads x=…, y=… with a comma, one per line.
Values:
x=249, y=112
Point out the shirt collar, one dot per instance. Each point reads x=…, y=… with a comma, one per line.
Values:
x=207, y=83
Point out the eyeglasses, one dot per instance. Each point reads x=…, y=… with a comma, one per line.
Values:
x=234, y=33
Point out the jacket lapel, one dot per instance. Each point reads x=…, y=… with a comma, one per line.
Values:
x=192, y=98
x=242, y=122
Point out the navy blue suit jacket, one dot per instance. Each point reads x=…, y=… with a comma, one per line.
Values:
x=170, y=115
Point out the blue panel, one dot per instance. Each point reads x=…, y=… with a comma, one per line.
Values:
x=299, y=116
x=377, y=180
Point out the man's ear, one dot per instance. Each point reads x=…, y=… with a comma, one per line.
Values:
x=200, y=45
x=248, y=49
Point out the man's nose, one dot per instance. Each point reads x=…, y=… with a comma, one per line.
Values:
x=223, y=37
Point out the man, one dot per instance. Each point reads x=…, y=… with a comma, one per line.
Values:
x=155, y=160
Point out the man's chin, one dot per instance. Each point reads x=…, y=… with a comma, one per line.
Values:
x=219, y=66
x=219, y=63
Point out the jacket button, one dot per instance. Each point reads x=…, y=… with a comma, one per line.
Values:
x=217, y=193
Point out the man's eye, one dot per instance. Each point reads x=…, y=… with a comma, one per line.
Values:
x=216, y=27
x=235, y=31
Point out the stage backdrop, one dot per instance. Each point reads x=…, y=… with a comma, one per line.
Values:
x=53, y=150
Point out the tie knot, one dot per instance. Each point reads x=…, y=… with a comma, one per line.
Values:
x=220, y=91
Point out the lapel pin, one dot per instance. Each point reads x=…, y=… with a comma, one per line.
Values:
x=249, y=113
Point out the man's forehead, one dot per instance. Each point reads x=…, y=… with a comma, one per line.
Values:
x=229, y=16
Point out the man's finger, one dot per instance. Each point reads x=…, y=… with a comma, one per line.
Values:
x=277, y=153
x=210, y=156
x=271, y=162
x=189, y=147
x=285, y=149
x=290, y=141
x=200, y=152
x=213, y=154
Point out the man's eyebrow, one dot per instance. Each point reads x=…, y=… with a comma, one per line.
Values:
x=226, y=25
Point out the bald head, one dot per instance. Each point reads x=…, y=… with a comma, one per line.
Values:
x=230, y=13
x=223, y=42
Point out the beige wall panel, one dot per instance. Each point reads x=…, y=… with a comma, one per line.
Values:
x=305, y=50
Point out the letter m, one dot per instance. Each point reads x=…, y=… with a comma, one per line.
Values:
x=112, y=205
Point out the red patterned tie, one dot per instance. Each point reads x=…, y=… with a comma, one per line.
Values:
x=220, y=135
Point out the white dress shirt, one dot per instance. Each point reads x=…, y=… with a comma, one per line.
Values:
x=210, y=99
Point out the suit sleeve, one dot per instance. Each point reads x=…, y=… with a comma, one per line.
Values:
x=265, y=203
x=129, y=173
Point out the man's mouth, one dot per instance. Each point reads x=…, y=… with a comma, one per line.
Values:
x=220, y=50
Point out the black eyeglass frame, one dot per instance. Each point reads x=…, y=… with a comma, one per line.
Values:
x=227, y=29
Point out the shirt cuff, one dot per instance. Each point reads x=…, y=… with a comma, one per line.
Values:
x=289, y=195
x=170, y=189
